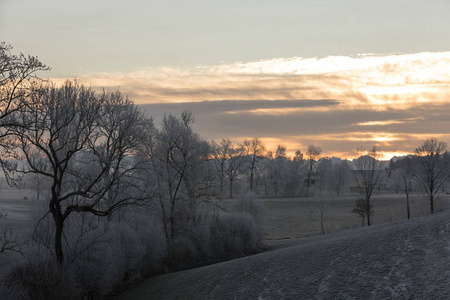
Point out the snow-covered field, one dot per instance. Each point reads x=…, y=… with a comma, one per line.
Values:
x=290, y=218
x=17, y=205
x=397, y=260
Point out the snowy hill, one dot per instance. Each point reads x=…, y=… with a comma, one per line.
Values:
x=402, y=260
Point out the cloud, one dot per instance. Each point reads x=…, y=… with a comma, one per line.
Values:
x=387, y=122
x=382, y=81
x=337, y=128
x=241, y=106
x=342, y=103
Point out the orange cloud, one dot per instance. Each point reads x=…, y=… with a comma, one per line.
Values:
x=383, y=82
x=390, y=95
x=387, y=122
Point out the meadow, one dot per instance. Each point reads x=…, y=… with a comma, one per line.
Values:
x=289, y=221
x=292, y=218
x=286, y=218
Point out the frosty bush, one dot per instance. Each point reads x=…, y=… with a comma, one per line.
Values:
x=234, y=234
x=38, y=277
x=252, y=204
x=101, y=256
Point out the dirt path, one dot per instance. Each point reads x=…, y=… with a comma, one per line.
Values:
x=403, y=260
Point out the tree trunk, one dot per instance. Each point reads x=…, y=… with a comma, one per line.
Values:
x=252, y=173
x=321, y=217
x=55, y=210
x=432, y=204
x=368, y=213
x=251, y=180
x=221, y=187
x=432, y=193
x=231, y=187
x=320, y=189
x=59, y=224
x=166, y=230
x=307, y=185
x=172, y=220
x=407, y=205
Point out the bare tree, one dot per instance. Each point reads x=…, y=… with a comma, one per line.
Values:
x=368, y=175
x=277, y=172
x=298, y=156
x=362, y=209
x=313, y=155
x=253, y=150
x=235, y=162
x=281, y=152
x=184, y=179
x=83, y=144
x=403, y=175
x=17, y=80
x=324, y=168
x=340, y=176
x=298, y=167
x=221, y=152
x=432, y=167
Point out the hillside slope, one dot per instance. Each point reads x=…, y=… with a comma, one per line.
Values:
x=404, y=260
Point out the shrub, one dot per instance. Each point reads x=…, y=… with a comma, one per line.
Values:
x=234, y=234
x=252, y=204
x=101, y=255
x=37, y=277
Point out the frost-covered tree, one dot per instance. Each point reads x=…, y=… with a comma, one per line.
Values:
x=340, y=176
x=253, y=152
x=402, y=173
x=83, y=143
x=313, y=155
x=18, y=80
x=324, y=171
x=432, y=167
x=184, y=178
x=235, y=167
x=278, y=172
x=298, y=170
x=363, y=209
x=368, y=175
x=221, y=153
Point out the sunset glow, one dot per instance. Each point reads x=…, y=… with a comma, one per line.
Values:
x=369, y=86
x=347, y=80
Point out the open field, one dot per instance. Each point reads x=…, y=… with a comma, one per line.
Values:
x=287, y=219
x=17, y=205
x=290, y=218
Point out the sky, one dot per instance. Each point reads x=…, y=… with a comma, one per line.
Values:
x=340, y=74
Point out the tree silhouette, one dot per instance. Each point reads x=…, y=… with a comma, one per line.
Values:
x=432, y=167
x=368, y=176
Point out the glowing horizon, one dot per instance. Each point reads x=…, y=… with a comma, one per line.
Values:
x=393, y=101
